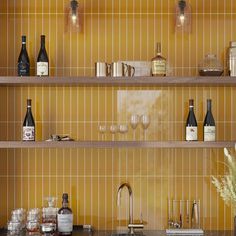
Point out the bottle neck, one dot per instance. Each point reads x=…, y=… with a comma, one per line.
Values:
x=158, y=49
x=42, y=43
x=28, y=108
x=65, y=204
x=23, y=45
x=191, y=108
x=208, y=106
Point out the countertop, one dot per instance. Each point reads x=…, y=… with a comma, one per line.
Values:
x=3, y=232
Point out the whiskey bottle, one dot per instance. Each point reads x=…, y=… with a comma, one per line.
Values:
x=158, y=63
x=28, y=125
x=65, y=217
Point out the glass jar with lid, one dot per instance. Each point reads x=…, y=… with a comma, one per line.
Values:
x=210, y=66
x=49, y=213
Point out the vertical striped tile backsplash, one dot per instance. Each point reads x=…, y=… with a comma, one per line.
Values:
x=114, y=30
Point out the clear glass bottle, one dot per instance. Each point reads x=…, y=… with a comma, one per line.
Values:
x=65, y=217
x=158, y=63
x=49, y=213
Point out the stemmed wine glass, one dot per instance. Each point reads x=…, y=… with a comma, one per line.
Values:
x=102, y=129
x=134, y=120
x=145, y=121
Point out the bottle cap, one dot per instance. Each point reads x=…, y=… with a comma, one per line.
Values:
x=23, y=38
x=191, y=102
x=65, y=197
x=29, y=102
x=43, y=38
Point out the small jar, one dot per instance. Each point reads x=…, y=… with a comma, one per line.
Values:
x=210, y=66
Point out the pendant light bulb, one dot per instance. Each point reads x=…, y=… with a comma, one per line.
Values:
x=182, y=6
x=73, y=17
x=74, y=8
x=183, y=16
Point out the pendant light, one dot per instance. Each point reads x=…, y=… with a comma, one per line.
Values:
x=183, y=16
x=73, y=21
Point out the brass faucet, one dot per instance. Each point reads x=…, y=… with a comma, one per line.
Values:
x=131, y=224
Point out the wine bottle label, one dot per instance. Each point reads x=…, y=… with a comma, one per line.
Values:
x=28, y=133
x=23, y=69
x=65, y=223
x=159, y=67
x=42, y=68
x=191, y=133
x=210, y=133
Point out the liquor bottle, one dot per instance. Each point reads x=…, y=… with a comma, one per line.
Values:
x=23, y=67
x=29, y=125
x=158, y=63
x=191, y=124
x=42, y=61
x=49, y=213
x=209, y=130
x=65, y=217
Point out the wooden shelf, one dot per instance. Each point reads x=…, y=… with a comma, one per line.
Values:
x=115, y=144
x=121, y=81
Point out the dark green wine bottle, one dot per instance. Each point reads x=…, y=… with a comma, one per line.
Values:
x=42, y=61
x=23, y=68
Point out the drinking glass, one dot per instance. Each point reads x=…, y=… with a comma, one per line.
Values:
x=134, y=120
x=114, y=128
x=123, y=128
x=145, y=121
x=102, y=128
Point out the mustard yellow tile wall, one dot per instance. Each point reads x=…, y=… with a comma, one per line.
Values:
x=114, y=30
